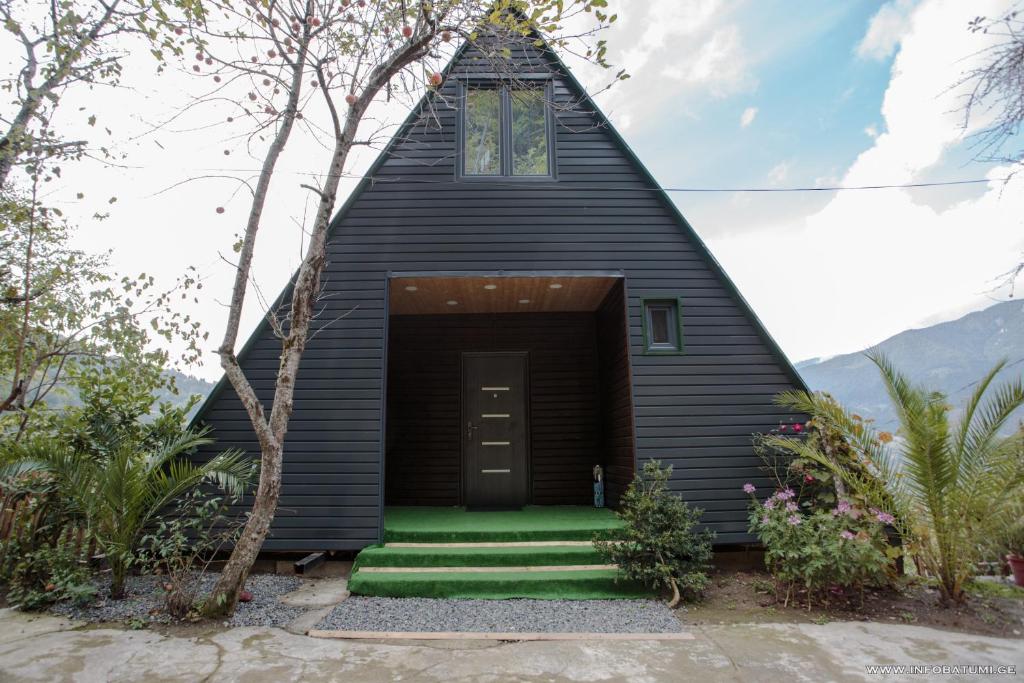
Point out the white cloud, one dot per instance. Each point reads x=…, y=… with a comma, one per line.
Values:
x=669, y=48
x=920, y=110
x=720, y=64
x=873, y=263
x=665, y=19
x=778, y=174
x=885, y=30
x=871, y=131
x=748, y=116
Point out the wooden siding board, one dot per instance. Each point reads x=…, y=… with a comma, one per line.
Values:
x=604, y=213
x=617, y=414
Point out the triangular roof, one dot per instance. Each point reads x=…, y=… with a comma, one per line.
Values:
x=582, y=97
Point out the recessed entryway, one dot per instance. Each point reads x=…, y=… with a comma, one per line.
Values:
x=511, y=395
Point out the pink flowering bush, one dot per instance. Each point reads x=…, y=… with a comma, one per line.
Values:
x=820, y=551
x=780, y=451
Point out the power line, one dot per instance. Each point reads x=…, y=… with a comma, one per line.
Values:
x=383, y=180
x=835, y=188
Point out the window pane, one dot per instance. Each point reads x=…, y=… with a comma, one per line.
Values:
x=483, y=132
x=529, y=133
x=660, y=326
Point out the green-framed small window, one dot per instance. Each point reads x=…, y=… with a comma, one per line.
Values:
x=663, y=325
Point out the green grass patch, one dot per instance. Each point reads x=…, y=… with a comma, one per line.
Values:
x=533, y=523
x=478, y=557
x=995, y=589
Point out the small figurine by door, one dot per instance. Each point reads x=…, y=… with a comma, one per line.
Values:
x=598, y=487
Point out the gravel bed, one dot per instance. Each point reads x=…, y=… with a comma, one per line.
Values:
x=502, y=616
x=145, y=601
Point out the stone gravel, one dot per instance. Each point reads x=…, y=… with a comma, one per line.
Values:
x=502, y=616
x=145, y=601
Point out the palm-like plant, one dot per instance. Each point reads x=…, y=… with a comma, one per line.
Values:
x=949, y=485
x=120, y=493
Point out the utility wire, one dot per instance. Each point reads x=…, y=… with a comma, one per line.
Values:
x=389, y=179
x=835, y=188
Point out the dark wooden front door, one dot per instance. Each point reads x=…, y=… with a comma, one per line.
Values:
x=495, y=438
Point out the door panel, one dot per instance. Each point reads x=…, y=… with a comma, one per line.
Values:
x=495, y=437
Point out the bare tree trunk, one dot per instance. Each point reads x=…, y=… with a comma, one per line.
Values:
x=674, y=602
x=268, y=491
x=12, y=143
x=271, y=433
x=18, y=384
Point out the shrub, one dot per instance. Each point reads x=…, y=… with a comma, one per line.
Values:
x=124, y=489
x=818, y=550
x=951, y=486
x=660, y=547
x=44, y=551
x=183, y=545
x=46, y=574
x=814, y=483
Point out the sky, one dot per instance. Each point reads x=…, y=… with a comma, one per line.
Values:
x=722, y=94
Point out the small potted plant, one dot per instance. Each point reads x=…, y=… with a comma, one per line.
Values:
x=1015, y=556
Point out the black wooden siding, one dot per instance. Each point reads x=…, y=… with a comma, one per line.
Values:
x=695, y=411
x=618, y=438
x=423, y=453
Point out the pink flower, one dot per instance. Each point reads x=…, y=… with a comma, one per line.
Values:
x=749, y=488
x=842, y=507
x=794, y=520
x=785, y=494
x=792, y=507
x=769, y=503
x=782, y=428
x=848, y=535
x=765, y=520
x=798, y=428
x=808, y=478
x=883, y=517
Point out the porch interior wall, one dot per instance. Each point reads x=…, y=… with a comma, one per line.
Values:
x=615, y=381
x=423, y=431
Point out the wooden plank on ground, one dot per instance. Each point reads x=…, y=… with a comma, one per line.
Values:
x=471, y=635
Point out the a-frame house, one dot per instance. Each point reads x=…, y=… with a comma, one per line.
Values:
x=522, y=302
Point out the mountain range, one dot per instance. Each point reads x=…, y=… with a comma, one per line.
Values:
x=950, y=357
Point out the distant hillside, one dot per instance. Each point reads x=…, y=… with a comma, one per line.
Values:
x=187, y=386
x=65, y=397
x=949, y=356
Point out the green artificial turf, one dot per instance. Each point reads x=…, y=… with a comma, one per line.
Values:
x=379, y=556
x=436, y=525
x=554, y=585
x=533, y=523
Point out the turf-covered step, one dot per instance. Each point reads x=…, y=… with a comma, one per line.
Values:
x=510, y=556
x=532, y=523
x=597, y=584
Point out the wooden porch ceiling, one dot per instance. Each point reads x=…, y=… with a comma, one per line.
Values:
x=500, y=294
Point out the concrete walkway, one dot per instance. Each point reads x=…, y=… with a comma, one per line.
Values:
x=46, y=648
